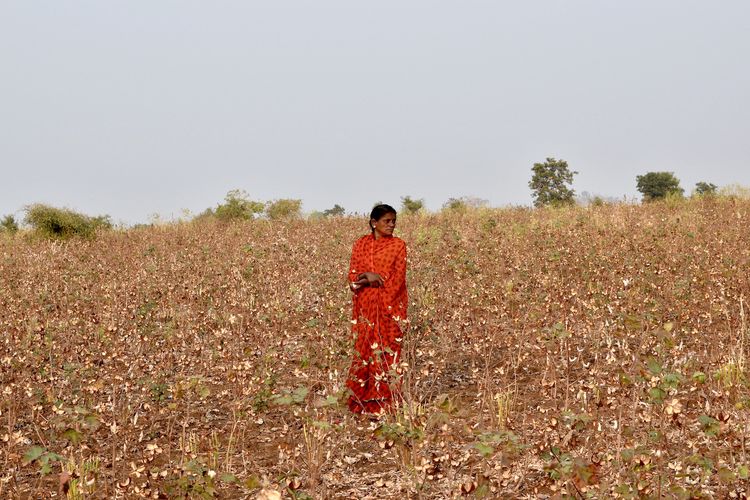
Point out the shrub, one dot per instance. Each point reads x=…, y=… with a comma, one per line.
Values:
x=335, y=211
x=705, y=188
x=237, y=206
x=455, y=204
x=735, y=191
x=674, y=199
x=464, y=203
x=52, y=222
x=596, y=200
x=9, y=225
x=410, y=206
x=284, y=209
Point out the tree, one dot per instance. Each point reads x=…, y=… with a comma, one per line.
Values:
x=237, y=206
x=549, y=184
x=284, y=209
x=410, y=206
x=705, y=188
x=657, y=185
x=9, y=224
x=335, y=211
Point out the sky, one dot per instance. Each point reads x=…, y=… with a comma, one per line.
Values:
x=136, y=108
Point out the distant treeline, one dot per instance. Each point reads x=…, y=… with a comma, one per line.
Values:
x=551, y=185
x=62, y=223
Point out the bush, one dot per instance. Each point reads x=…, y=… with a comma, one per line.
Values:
x=455, y=205
x=464, y=203
x=598, y=201
x=705, y=188
x=284, y=209
x=237, y=206
x=51, y=222
x=335, y=211
x=410, y=206
x=9, y=225
x=735, y=191
x=595, y=200
x=674, y=199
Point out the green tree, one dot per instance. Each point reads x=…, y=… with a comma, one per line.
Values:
x=9, y=224
x=657, y=185
x=550, y=183
x=284, y=209
x=237, y=206
x=705, y=188
x=411, y=206
x=335, y=211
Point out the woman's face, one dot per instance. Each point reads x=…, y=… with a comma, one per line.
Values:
x=385, y=225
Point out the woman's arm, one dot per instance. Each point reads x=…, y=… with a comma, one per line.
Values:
x=356, y=266
x=358, y=277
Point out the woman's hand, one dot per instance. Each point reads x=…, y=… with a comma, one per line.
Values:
x=356, y=285
x=372, y=279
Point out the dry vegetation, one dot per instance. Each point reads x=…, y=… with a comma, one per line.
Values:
x=584, y=352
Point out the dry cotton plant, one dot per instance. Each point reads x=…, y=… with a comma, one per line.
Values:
x=582, y=351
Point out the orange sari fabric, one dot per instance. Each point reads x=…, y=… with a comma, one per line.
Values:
x=377, y=312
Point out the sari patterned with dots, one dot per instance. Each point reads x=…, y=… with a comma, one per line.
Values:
x=377, y=312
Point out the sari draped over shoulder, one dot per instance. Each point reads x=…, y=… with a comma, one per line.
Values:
x=374, y=376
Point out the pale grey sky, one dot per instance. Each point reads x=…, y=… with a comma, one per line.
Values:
x=138, y=107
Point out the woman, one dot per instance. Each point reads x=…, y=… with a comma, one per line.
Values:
x=377, y=276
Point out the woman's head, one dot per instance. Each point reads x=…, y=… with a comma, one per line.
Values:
x=383, y=220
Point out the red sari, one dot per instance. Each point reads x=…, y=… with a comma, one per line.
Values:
x=377, y=312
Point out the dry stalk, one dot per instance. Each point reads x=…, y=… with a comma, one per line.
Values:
x=741, y=344
x=505, y=401
x=743, y=330
x=316, y=456
x=228, y=454
x=408, y=412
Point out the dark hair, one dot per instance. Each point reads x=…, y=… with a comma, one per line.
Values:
x=379, y=211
